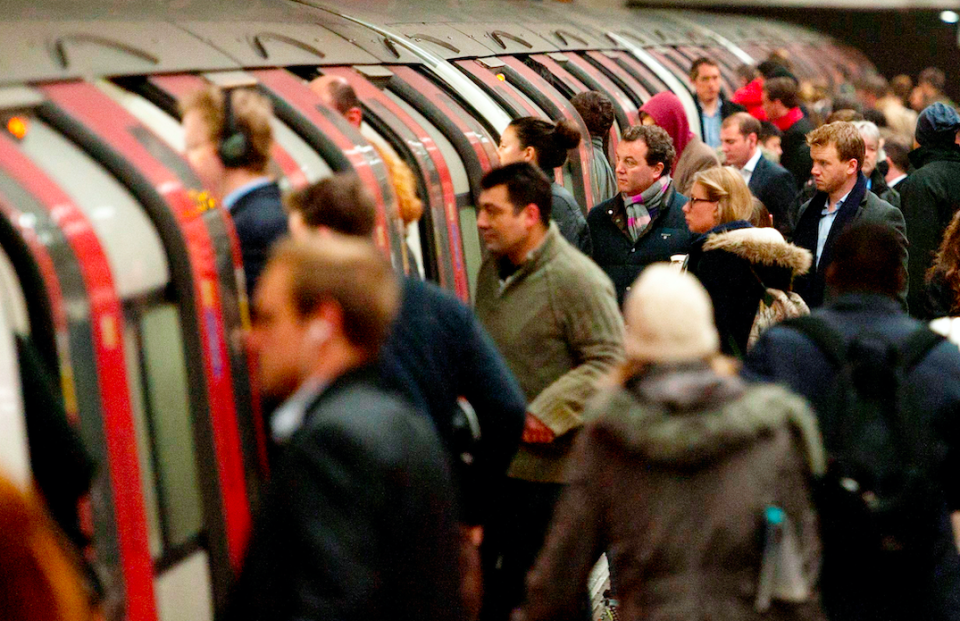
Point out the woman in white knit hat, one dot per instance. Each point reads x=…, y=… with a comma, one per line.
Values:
x=679, y=474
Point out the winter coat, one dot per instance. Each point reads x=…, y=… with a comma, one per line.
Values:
x=666, y=235
x=751, y=97
x=774, y=186
x=566, y=212
x=603, y=181
x=929, y=197
x=673, y=476
x=736, y=263
x=358, y=521
x=436, y=352
x=926, y=584
x=556, y=322
x=878, y=185
x=697, y=156
x=260, y=220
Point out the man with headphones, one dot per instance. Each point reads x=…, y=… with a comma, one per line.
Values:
x=228, y=142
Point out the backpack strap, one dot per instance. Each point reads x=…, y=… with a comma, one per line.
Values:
x=827, y=339
x=917, y=346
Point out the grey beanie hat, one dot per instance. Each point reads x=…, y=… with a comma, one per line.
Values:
x=937, y=125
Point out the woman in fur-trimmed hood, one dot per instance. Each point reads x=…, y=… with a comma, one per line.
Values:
x=735, y=261
x=674, y=474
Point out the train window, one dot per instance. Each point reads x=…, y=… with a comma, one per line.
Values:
x=165, y=377
x=148, y=113
x=14, y=306
x=521, y=95
x=461, y=187
x=137, y=260
x=313, y=166
x=14, y=452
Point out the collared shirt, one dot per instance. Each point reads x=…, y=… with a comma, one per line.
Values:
x=289, y=416
x=231, y=199
x=750, y=166
x=711, y=127
x=897, y=180
x=508, y=271
x=826, y=223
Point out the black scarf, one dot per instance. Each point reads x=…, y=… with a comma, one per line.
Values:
x=811, y=286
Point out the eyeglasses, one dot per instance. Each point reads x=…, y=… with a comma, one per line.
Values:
x=694, y=201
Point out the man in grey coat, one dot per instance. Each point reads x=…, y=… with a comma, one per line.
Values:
x=842, y=198
x=553, y=314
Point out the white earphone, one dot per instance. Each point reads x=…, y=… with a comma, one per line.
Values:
x=319, y=331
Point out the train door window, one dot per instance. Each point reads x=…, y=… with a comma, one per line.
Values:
x=132, y=245
x=148, y=113
x=461, y=187
x=672, y=64
x=14, y=451
x=601, y=62
x=495, y=83
x=14, y=306
x=641, y=72
x=312, y=166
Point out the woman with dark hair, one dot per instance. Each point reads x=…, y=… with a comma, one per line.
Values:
x=545, y=144
x=691, y=479
x=943, y=277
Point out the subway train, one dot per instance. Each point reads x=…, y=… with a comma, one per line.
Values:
x=125, y=272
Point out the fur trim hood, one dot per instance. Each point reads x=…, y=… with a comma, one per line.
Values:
x=689, y=417
x=763, y=246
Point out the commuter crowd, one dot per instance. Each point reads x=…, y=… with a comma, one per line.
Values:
x=721, y=377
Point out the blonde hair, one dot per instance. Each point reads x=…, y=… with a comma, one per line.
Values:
x=726, y=186
x=251, y=113
x=844, y=137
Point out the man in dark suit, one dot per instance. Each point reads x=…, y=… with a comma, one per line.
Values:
x=358, y=521
x=842, y=198
x=228, y=143
x=771, y=183
x=712, y=107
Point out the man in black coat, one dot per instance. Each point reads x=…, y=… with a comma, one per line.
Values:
x=842, y=199
x=712, y=107
x=771, y=183
x=921, y=581
x=228, y=142
x=435, y=353
x=358, y=521
x=781, y=102
x=931, y=195
x=645, y=222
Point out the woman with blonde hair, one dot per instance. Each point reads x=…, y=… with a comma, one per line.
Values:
x=737, y=263
x=690, y=479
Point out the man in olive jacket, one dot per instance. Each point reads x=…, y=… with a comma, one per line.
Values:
x=553, y=314
x=930, y=196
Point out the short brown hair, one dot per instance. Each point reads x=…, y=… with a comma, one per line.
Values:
x=845, y=137
x=660, y=147
x=348, y=271
x=341, y=203
x=934, y=77
x=695, y=67
x=745, y=123
x=251, y=114
x=783, y=89
x=725, y=185
x=596, y=110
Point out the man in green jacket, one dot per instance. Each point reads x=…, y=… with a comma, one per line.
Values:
x=553, y=314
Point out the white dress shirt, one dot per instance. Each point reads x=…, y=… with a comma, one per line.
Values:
x=750, y=166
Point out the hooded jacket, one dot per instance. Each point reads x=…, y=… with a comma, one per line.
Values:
x=693, y=154
x=928, y=198
x=673, y=477
x=736, y=263
x=751, y=97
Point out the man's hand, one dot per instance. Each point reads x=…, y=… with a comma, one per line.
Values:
x=535, y=432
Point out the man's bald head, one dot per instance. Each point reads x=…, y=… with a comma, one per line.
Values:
x=336, y=92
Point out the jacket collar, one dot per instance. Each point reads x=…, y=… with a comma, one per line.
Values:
x=924, y=155
x=724, y=227
x=872, y=302
x=761, y=246
x=787, y=121
x=537, y=259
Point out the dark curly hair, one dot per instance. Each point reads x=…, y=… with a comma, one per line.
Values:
x=659, y=144
x=550, y=141
x=596, y=109
x=946, y=265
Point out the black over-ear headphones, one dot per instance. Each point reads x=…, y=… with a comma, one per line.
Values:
x=235, y=146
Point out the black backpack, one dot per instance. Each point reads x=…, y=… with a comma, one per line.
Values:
x=878, y=498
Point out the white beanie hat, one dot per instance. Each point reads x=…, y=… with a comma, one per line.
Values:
x=669, y=317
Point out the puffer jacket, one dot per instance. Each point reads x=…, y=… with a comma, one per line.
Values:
x=674, y=474
x=736, y=263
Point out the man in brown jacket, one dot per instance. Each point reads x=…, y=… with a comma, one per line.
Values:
x=553, y=314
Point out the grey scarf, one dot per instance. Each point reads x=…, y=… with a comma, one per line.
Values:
x=644, y=207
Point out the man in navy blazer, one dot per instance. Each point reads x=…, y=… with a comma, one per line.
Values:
x=228, y=143
x=770, y=182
